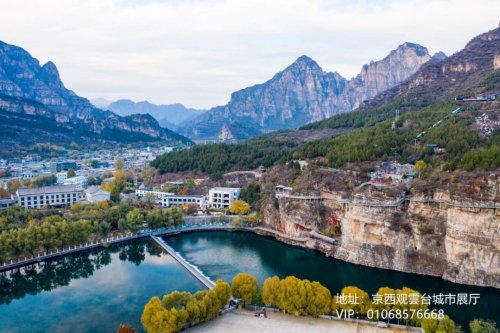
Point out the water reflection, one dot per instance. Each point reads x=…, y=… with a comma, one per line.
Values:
x=59, y=272
x=224, y=254
x=91, y=291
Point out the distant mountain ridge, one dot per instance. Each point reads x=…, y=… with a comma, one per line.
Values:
x=474, y=70
x=34, y=92
x=303, y=93
x=169, y=116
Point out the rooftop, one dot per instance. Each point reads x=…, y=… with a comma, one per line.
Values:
x=47, y=190
x=94, y=189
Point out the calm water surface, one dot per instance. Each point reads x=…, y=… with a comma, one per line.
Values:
x=92, y=291
x=225, y=254
x=96, y=290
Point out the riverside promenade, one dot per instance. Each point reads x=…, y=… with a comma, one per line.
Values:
x=195, y=225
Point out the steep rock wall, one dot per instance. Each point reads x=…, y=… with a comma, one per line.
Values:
x=458, y=244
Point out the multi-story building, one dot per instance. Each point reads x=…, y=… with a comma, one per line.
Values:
x=62, y=166
x=61, y=177
x=96, y=194
x=158, y=196
x=81, y=182
x=222, y=197
x=179, y=200
x=58, y=196
x=6, y=203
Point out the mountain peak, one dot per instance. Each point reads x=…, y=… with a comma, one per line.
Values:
x=305, y=61
x=419, y=49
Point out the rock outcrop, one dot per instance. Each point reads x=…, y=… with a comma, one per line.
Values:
x=304, y=93
x=28, y=89
x=437, y=234
x=471, y=71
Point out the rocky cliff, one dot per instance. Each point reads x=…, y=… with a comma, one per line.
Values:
x=303, y=93
x=28, y=89
x=469, y=72
x=432, y=233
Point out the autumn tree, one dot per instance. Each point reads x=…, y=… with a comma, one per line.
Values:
x=244, y=287
x=420, y=167
x=352, y=298
x=239, y=207
x=271, y=291
x=223, y=291
x=13, y=186
x=3, y=193
x=318, y=300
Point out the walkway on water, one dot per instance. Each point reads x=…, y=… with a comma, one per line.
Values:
x=190, y=268
x=220, y=226
x=71, y=249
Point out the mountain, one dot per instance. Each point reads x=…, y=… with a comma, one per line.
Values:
x=170, y=115
x=101, y=103
x=303, y=93
x=34, y=101
x=475, y=70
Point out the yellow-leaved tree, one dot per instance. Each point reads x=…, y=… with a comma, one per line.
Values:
x=244, y=287
x=239, y=207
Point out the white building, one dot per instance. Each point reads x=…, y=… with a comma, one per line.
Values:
x=61, y=177
x=157, y=195
x=179, y=200
x=60, y=195
x=6, y=203
x=80, y=182
x=222, y=197
x=96, y=194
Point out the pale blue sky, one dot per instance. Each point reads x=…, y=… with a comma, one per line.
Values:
x=199, y=51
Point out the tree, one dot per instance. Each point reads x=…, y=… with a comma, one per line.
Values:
x=481, y=326
x=251, y=193
x=239, y=207
x=420, y=167
x=244, y=287
x=4, y=193
x=271, y=291
x=13, y=186
x=319, y=300
x=147, y=175
x=291, y=297
x=253, y=218
x=135, y=219
x=119, y=163
x=223, y=291
x=71, y=173
x=353, y=298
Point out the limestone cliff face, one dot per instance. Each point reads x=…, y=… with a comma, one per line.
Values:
x=386, y=73
x=304, y=93
x=456, y=243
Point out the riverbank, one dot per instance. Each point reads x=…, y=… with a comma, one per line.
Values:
x=244, y=322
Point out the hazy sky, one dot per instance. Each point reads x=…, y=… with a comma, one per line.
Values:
x=199, y=51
